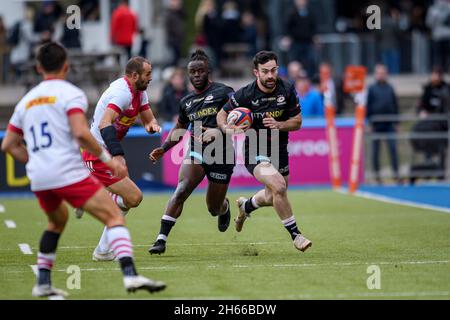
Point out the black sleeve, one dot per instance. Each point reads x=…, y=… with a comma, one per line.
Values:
x=228, y=93
x=293, y=103
x=182, y=116
x=237, y=100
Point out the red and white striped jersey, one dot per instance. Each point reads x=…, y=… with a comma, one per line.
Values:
x=127, y=102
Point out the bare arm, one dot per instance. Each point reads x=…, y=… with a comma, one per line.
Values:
x=175, y=136
x=149, y=122
x=80, y=130
x=13, y=144
x=293, y=124
x=108, y=118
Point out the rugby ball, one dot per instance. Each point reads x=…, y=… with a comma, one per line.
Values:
x=240, y=116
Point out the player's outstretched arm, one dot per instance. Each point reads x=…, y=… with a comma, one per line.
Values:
x=175, y=136
x=80, y=130
x=13, y=144
x=149, y=121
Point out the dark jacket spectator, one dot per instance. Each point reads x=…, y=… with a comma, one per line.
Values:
x=46, y=19
x=175, y=28
x=231, y=24
x=382, y=101
x=301, y=28
x=301, y=25
x=436, y=99
x=173, y=92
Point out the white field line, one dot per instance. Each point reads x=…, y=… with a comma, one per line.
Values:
x=10, y=224
x=25, y=248
x=392, y=200
x=2, y=208
x=34, y=268
x=276, y=266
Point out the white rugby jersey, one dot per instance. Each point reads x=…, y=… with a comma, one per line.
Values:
x=127, y=102
x=42, y=117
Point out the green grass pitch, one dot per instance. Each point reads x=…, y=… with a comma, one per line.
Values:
x=410, y=246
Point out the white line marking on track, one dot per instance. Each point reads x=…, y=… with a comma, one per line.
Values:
x=35, y=269
x=10, y=224
x=390, y=200
x=25, y=248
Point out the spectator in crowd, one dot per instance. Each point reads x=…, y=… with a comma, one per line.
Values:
x=250, y=33
x=389, y=37
x=46, y=19
x=69, y=38
x=124, y=25
x=175, y=28
x=327, y=84
x=382, y=101
x=231, y=26
x=435, y=102
x=438, y=20
x=436, y=97
x=90, y=10
x=301, y=29
x=3, y=51
x=21, y=51
x=174, y=90
x=294, y=70
x=208, y=23
x=310, y=98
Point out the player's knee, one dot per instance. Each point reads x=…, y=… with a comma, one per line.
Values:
x=278, y=188
x=134, y=199
x=182, y=194
x=57, y=226
x=214, y=209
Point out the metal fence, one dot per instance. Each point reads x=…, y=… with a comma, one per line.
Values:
x=422, y=146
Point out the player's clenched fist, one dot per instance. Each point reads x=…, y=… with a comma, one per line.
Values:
x=153, y=127
x=156, y=154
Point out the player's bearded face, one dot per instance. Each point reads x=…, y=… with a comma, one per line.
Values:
x=144, y=79
x=267, y=74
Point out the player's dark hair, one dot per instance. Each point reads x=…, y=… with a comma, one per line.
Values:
x=51, y=56
x=263, y=57
x=135, y=64
x=199, y=55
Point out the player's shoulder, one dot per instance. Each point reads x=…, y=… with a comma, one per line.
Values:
x=119, y=88
x=247, y=91
x=70, y=90
x=223, y=86
x=285, y=85
x=187, y=98
x=120, y=84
